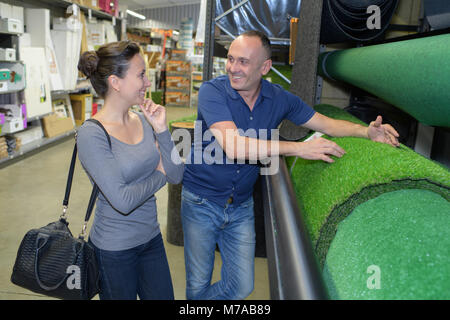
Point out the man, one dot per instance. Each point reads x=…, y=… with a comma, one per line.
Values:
x=217, y=203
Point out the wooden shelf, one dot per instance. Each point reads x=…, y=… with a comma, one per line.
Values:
x=65, y=4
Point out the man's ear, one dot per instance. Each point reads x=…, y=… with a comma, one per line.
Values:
x=266, y=66
x=114, y=82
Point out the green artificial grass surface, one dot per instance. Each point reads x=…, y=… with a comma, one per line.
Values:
x=327, y=193
x=157, y=97
x=412, y=75
x=336, y=113
x=395, y=246
x=285, y=70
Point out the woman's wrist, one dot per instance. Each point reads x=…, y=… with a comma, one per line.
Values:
x=160, y=129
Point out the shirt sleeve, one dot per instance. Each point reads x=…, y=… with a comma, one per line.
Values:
x=173, y=166
x=212, y=104
x=99, y=162
x=298, y=111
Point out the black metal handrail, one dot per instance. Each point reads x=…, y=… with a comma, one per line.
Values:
x=293, y=269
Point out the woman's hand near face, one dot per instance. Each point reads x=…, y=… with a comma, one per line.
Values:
x=155, y=114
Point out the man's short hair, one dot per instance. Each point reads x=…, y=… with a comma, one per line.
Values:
x=264, y=40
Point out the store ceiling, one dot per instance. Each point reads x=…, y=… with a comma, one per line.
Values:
x=144, y=4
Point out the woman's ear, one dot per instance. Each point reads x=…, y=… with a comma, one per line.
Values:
x=114, y=82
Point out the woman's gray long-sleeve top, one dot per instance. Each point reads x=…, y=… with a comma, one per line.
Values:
x=126, y=174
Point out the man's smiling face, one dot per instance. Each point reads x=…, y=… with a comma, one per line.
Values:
x=247, y=63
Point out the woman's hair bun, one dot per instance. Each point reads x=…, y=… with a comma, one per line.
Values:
x=88, y=63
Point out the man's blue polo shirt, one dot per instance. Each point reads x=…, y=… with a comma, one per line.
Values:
x=218, y=101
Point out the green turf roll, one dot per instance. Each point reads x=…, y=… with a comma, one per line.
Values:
x=328, y=193
x=413, y=75
x=395, y=246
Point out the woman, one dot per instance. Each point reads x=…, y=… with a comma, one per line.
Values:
x=125, y=232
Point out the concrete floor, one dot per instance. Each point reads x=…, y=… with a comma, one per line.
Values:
x=31, y=194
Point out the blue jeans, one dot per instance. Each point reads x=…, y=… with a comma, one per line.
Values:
x=140, y=271
x=233, y=229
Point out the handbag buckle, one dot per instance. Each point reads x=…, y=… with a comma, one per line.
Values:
x=83, y=231
x=63, y=215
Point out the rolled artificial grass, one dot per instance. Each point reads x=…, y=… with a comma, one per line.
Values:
x=412, y=75
x=395, y=246
x=328, y=193
x=381, y=207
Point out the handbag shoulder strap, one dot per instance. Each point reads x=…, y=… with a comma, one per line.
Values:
x=103, y=128
x=69, y=180
x=95, y=188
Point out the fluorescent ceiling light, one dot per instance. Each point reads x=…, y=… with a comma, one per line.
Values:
x=137, y=15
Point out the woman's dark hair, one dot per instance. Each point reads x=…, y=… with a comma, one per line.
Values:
x=264, y=40
x=110, y=59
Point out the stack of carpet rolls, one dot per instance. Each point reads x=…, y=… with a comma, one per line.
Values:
x=379, y=219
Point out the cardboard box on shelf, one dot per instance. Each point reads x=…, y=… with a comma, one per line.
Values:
x=177, y=98
x=178, y=82
x=138, y=38
x=3, y=148
x=153, y=48
x=152, y=58
x=7, y=54
x=32, y=133
x=12, y=76
x=16, y=119
x=179, y=54
x=12, y=126
x=11, y=25
x=81, y=107
x=5, y=10
x=60, y=108
x=178, y=66
x=93, y=4
x=109, y=6
x=55, y=126
x=104, y=5
x=196, y=82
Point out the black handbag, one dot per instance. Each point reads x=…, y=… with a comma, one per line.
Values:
x=51, y=261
